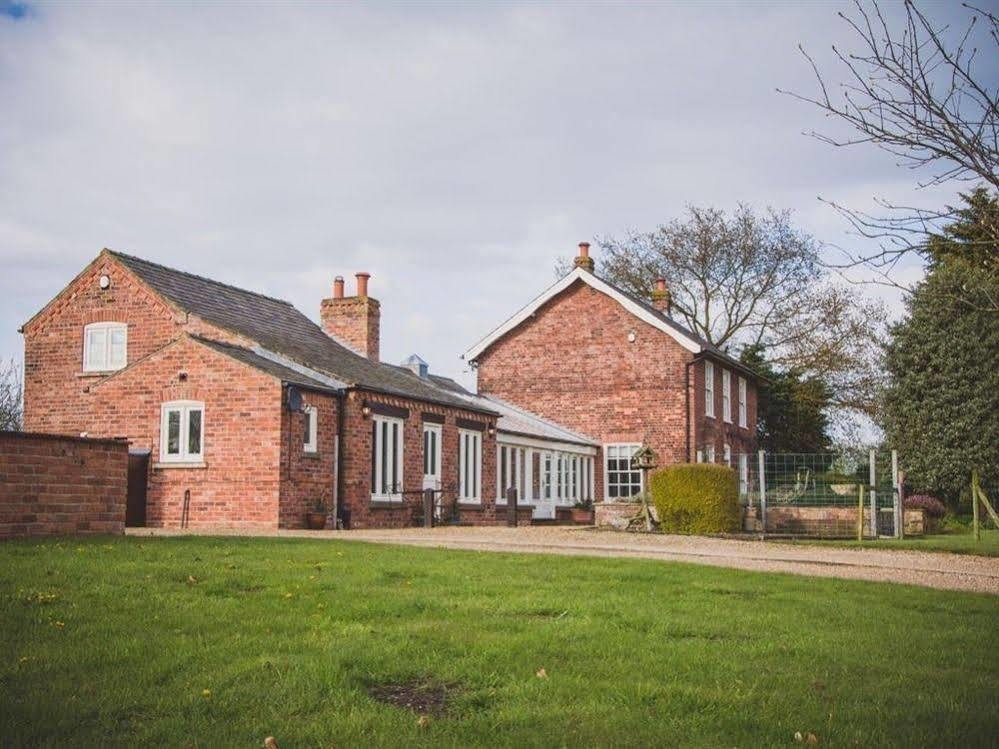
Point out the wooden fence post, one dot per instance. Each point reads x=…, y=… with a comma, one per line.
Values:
x=860, y=513
x=897, y=489
x=974, y=505
x=763, y=491
x=900, y=531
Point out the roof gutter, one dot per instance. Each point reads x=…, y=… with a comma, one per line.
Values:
x=464, y=405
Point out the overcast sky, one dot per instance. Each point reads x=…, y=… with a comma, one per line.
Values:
x=452, y=150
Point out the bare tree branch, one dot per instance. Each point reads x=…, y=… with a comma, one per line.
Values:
x=914, y=92
x=11, y=392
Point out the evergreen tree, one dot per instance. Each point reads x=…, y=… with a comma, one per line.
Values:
x=941, y=409
x=790, y=408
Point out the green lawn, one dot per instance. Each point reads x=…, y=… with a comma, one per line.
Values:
x=213, y=642
x=953, y=541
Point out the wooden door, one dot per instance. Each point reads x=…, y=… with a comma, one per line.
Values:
x=138, y=479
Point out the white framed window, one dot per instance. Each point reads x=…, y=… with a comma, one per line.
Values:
x=622, y=479
x=709, y=453
x=311, y=442
x=105, y=346
x=182, y=432
x=511, y=472
x=727, y=396
x=431, y=455
x=700, y=456
x=386, y=458
x=469, y=465
x=743, y=474
x=709, y=389
x=743, y=420
x=727, y=455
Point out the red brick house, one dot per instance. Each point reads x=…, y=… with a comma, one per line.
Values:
x=240, y=411
x=622, y=371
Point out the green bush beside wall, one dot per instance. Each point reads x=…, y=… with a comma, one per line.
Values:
x=697, y=498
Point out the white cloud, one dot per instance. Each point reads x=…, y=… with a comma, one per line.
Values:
x=454, y=152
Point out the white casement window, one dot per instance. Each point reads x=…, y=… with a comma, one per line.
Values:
x=743, y=420
x=709, y=454
x=182, y=432
x=709, y=389
x=311, y=443
x=700, y=456
x=743, y=474
x=431, y=456
x=727, y=455
x=727, y=396
x=386, y=458
x=622, y=479
x=105, y=346
x=511, y=472
x=469, y=465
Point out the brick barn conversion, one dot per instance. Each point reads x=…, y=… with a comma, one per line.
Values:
x=239, y=411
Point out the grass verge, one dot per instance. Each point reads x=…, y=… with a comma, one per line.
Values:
x=217, y=642
x=951, y=541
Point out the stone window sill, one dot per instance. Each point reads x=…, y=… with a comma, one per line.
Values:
x=469, y=503
x=106, y=373
x=161, y=465
x=310, y=455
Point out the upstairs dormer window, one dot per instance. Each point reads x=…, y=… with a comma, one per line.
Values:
x=105, y=346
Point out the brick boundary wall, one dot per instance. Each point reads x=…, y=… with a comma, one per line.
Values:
x=53, y=484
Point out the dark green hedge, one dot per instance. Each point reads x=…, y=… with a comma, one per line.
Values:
x=697, y=498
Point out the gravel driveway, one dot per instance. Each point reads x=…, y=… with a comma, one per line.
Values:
x=933, y=570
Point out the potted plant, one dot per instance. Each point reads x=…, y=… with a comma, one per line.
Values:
x=315, y=519
x=582, y=512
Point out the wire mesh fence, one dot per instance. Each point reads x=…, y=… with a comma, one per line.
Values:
x=850, y=493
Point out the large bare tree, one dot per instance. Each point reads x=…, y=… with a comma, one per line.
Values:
x=752, y=278
x=11, y=392
x=914, y=89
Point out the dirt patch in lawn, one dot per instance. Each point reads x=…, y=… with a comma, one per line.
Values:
x=422, y=696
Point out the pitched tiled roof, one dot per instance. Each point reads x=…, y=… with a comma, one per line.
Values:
x=273, y=368
x=515, y=420
x=635, y=305
x=278, y=327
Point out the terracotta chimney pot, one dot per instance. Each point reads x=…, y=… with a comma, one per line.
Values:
x=583, y=259
x=362, y=283
x=338, y=287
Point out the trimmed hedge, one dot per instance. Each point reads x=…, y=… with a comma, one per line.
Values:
x=697, y=498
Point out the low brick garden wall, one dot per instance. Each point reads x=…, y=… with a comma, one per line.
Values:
x=826, y=521
x=613, y=514
x=53, y=484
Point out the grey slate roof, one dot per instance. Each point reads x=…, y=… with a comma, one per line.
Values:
x=268, y=366
x=277, y=326
x=515, y=420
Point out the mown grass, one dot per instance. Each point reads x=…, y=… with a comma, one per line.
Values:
x=213, y=642
x=955, y=540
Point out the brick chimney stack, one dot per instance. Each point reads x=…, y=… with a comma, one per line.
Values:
x=583, y=259
x=354, y=320
x=661, y=297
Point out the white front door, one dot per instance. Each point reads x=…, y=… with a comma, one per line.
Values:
x=432, y=434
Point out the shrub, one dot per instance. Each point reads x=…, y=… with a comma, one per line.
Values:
x=932, y=506
x=696, y=498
